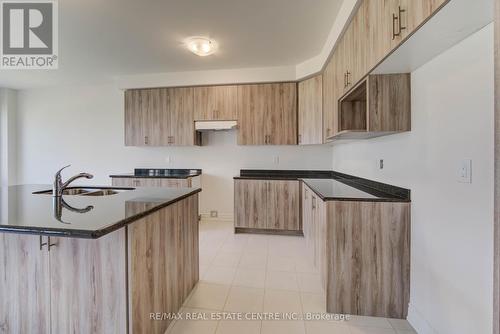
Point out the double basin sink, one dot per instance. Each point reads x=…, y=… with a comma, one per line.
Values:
x=86, y=191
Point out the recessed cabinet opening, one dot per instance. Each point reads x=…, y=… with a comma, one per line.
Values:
x=353, y=109
x=380, y=105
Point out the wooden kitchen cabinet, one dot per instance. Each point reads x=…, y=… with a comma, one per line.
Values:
x=283, y=205
x=329, y=99
x=151, y=182
x=24, y=268
x=267, y=114
x=106, y=285
x=216, y=103
x=159, y=117
x=267, y=205
x=378, y=106
x=311, y=111
x=250, y=204
x=88, y=285
x=368, y=249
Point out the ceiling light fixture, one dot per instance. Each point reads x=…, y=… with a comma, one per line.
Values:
x=201, y=46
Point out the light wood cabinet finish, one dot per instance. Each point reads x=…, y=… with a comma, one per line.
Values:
x=379, y=105
x=105, y=285
x=216, y=103
x=159, y=117
x=151, y=182
x=163, y=262
x=24, y=285
x=329, y=100
x=272, y=205
x=267, y=114
x=88, y=284
x=250, y=203
x=283, y=205
x=311, y=111
x=314, y=226
x=369, y=258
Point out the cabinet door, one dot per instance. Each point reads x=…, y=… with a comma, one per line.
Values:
x=311, y=111
x=283, y=205
x=267, y=114
x=418, y=11
x=281, y=119
x=250, y=203
x=88, y=284
x=215, y=103
x=329, y=101
x=359, y=43
x=381, y=28
x=253, y=106
x=136, y=117
x=181, y=114
x=24, y=285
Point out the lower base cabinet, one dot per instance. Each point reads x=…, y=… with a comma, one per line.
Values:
x=151, y=182
x=362, y=250
x=107, y=285
x=267, y=206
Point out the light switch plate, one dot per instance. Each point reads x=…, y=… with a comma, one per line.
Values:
x=465, y=171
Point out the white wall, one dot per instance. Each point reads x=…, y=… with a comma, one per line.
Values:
x=83, y=126
x=452, y=223
x=8, y=149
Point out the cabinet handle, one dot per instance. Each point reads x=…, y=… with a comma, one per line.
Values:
x=49, y=244
x=146, y=140
x=305, y=193
x=347, y=75
x=300, y=139
x=401, y=27
x=345, y=81
x=42, y=243
x=313, y=202
x=400, y=24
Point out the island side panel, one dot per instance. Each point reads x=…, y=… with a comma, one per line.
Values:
x=88, y=284
x=24, y=285
x=163, y=263
x=368, y=245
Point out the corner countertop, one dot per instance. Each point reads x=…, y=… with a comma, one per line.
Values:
x=41, y=214
x=159, y=173
x=333, y=186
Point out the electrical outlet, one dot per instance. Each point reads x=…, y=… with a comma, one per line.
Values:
x=214, y=214
x=169, y=159
x=465, y=171
x=276, y=160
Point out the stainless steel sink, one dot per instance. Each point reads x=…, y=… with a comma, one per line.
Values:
x=86, y=191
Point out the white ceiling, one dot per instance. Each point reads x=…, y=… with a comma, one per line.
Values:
x=99, y=40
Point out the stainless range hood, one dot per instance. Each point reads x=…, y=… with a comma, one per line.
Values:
x=215, y=125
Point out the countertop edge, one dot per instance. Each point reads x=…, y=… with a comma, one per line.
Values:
x=131, y=176
x=88, y=234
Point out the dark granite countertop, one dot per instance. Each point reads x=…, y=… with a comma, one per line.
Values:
x=159, y=173
x=331, y=185
x=21, y=211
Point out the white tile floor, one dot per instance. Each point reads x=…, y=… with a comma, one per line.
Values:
x=258, y=273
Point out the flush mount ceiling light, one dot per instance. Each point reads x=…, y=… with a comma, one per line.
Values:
x=201, y=46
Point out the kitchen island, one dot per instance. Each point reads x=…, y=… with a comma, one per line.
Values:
x=95, y=260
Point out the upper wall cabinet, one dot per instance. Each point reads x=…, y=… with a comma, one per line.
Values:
x=329, y=100
x=216, y=103
x=311, y=111
x=159, y=117
x=267, y=114
x=378, y=106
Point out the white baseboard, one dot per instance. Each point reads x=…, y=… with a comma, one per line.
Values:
x=418, y=322
x=224, y=217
